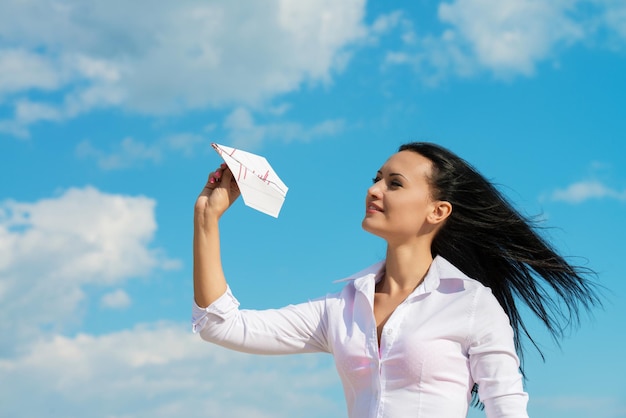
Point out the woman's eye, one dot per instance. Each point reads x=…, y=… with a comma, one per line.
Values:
x=395, y=183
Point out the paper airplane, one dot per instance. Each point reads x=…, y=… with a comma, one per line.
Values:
x=260, y=187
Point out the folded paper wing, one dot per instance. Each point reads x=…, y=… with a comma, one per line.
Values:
x=260, y=187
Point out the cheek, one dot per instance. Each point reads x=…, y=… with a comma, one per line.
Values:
x=411, y=209
x=411, y=216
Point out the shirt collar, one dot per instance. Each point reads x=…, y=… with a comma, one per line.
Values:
x=365, y=280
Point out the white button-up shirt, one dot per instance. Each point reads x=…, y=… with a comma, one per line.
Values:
x=448, y=334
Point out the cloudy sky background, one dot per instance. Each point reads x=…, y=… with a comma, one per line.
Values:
x=107, y=112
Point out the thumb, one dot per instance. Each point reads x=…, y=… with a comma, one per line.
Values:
x=230, y=184
x=227, y=178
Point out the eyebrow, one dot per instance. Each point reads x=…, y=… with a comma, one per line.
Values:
x=392, y=174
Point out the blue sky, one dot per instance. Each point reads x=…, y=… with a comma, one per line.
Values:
x=107, y=112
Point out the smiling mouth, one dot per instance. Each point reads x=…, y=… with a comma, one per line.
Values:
x=373, y=208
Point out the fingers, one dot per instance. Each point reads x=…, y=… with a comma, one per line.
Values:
x=218, y=174
x=227, y=180
x=219, y=193
x=223, y=178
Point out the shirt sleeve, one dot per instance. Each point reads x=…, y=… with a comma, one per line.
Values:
x=293, y=329
x=494, y=364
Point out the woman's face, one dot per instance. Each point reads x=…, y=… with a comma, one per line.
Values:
x=399, y=203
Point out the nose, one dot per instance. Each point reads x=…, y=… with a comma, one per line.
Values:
x=375, y=190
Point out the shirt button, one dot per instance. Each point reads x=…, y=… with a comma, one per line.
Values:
x=389, y=332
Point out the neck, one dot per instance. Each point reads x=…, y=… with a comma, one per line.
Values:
x=406, y=267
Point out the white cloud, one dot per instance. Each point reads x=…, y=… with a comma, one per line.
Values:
x=24, y=70
x=182, y=55
x=27, y=112
x=49, y=251
x=163, y=370
x=586, y=190
x=87, y=83
x=435, y=59
x=117, y=299
x=131, y=152
x=52, y=248
x=279, y=110
x=185, y=143
x=615, y=16
x=510, y=36
x=244, y=132
x=14, y=128
x=507, y=38
x=128, y=153
x=386, y=22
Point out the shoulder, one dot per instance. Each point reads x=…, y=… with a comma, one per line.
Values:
x=372, y=270
x=445, y=277
x=478, y=298
x=363, y=277
x=360, y=282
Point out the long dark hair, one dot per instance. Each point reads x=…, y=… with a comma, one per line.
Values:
x=490, y=241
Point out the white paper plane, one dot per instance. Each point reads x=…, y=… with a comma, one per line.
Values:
x=260, y=186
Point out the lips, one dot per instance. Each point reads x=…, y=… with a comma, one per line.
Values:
x=373, y=208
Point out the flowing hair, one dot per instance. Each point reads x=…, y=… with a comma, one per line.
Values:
x=490, y=241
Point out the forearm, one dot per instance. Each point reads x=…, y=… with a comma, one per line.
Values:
x=292, y=329
x=209, y=282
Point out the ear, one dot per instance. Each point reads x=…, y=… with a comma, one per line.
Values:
x=440, y=212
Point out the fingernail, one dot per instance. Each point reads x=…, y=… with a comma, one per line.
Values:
x=211, y=180
x=217, y=174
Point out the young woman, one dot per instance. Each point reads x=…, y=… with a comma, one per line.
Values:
x=417, y=334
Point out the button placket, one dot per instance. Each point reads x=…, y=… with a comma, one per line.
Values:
x=389, y=331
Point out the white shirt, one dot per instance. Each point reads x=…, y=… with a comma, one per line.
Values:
x=449, y=333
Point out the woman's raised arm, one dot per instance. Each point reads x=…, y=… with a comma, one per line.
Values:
x=218, y=195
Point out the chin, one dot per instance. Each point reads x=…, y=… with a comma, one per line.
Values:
x=367, y=227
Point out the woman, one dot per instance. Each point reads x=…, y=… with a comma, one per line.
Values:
x=418, y=333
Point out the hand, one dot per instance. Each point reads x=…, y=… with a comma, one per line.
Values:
x=219, y=193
